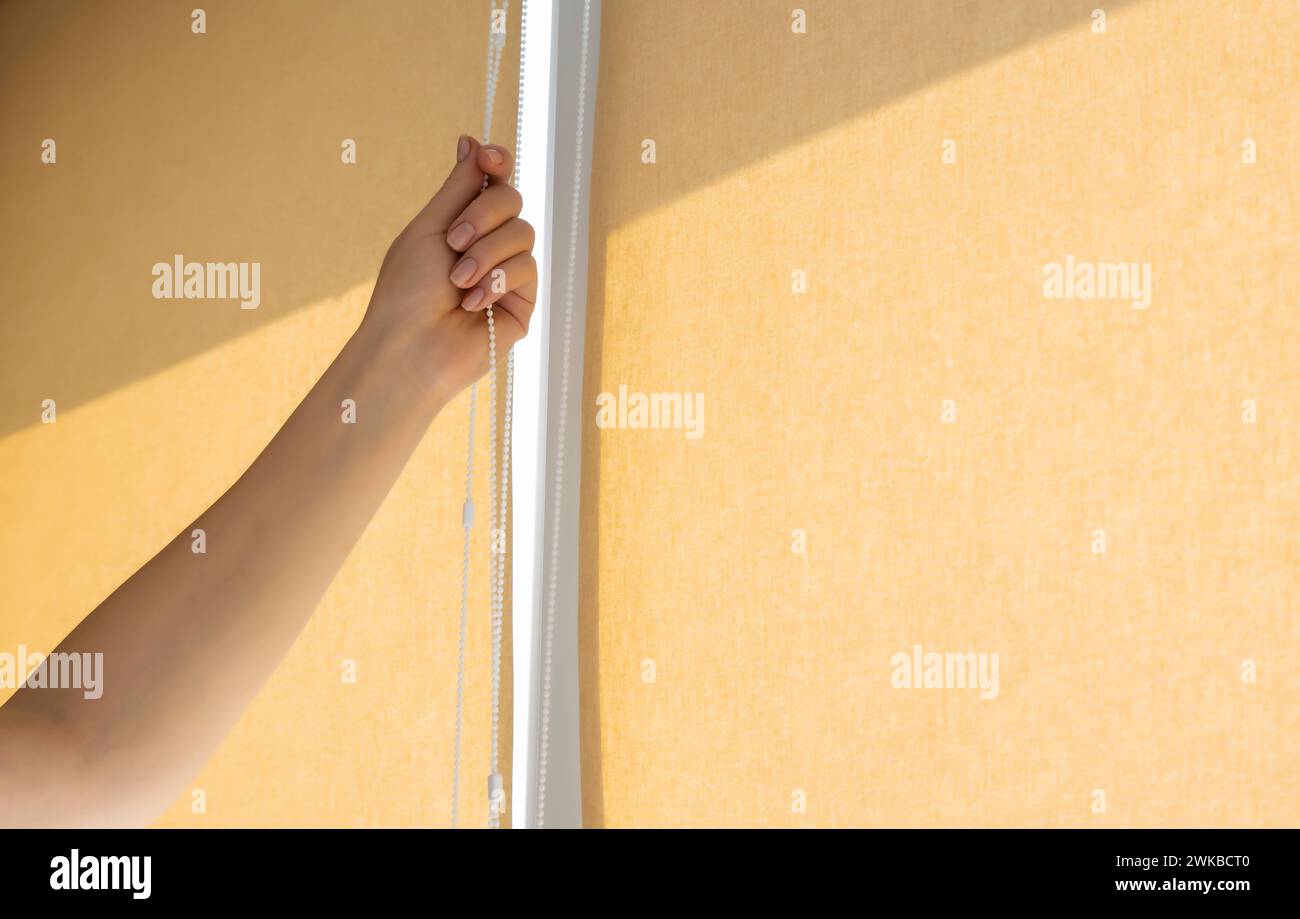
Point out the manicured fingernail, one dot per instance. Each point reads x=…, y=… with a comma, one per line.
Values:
x=462, y=148
x=460, y=236
x=494, y=155
x=472, y=299
x=461, y=274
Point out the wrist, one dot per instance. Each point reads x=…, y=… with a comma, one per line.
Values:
x=410, y=365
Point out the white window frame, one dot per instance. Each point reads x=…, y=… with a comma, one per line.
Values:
x=550, y=76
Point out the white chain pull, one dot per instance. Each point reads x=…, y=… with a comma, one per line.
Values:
x=497, y=18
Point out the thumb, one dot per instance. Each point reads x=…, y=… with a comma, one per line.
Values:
x=461, y=187
x=497, y=163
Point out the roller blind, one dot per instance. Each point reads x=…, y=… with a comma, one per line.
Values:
x=838, y=244
x=229, y=145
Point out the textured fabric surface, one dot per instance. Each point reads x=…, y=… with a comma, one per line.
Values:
x=729, y=679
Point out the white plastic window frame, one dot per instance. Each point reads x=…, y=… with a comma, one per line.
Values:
x=550, y=77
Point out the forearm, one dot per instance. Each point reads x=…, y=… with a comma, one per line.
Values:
x=190, y=638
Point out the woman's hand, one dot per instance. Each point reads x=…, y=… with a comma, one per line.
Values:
x=466, y=249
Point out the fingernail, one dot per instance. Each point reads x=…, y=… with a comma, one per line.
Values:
x=472, y=299
x=460, y=235
x=494, y=155
x=461, y=274
x=462, y=148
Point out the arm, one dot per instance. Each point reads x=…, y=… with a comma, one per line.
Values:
x=190, y=638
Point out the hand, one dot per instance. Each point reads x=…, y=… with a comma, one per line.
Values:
x=466, y=249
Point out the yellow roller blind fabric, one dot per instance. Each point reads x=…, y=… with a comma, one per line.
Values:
x=840, y=238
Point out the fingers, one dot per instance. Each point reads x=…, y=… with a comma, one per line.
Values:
x=474, y=163
x=511, y=238
x=517, y=309
x=496, y=205
x=516, y=274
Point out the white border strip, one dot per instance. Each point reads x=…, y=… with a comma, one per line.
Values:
x=549, y=75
